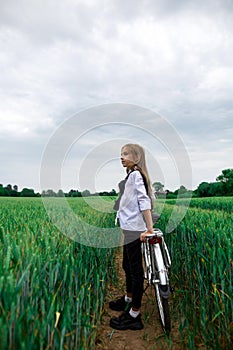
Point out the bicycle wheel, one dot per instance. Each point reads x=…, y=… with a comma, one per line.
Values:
x=164, y=310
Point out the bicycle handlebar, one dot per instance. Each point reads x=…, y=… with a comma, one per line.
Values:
x=156, y=233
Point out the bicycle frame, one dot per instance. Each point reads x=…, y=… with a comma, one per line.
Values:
x=157, y=262
x=157, y=258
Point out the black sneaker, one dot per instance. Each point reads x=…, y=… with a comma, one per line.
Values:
x=125, y=321
x=120, y=304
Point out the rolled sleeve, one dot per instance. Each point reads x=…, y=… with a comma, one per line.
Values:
x=144, y=200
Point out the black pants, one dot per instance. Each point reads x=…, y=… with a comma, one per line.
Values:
x=132, y=265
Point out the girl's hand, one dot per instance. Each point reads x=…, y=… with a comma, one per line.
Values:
x=144, y=234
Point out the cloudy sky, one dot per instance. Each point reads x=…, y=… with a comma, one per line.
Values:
x=60, y=59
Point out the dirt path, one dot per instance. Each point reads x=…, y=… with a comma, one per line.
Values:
x=150, y=338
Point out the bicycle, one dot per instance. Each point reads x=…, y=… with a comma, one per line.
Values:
x=157, y=261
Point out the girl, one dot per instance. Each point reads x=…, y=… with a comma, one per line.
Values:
x=134, y=214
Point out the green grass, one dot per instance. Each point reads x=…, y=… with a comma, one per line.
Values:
x=47, y=277
x=44, y=274
x=202, y=262
x=218, y=203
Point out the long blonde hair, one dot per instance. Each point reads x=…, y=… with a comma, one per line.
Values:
x=140, y=164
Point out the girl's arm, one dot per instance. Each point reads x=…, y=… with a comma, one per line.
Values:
x=144, y=203
x=149, y=224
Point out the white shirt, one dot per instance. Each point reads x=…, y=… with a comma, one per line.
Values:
x=133, y=201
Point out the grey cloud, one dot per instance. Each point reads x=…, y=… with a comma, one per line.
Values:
x=42, y=19
x=129, y=11
x=58, y=58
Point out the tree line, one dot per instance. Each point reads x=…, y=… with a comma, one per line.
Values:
x=12, y=191
x=222, y=187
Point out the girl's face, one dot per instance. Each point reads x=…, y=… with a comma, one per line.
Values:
x=127, y=158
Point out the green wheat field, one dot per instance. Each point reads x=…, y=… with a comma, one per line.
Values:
x=52, y=289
